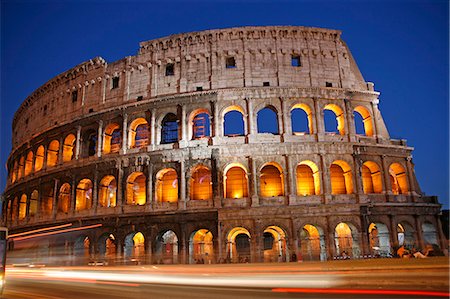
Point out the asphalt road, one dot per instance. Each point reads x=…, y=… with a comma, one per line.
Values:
x=390, y=278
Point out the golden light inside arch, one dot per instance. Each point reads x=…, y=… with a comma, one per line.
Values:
x=339, y=113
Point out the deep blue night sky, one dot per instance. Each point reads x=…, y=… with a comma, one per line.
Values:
x=401, y=46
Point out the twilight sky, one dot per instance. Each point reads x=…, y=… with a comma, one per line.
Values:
x=401, y=46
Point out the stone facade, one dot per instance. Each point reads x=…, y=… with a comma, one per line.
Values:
x=139, y=153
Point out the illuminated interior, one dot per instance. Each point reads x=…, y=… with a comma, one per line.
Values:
x=379, y=239
x=405, y=234
x=167, y=185
x=201, y=245
x=303, y=112
x=201, y=185
x=107, y=191
x=39, y=160
x=371, y=178
x=366, y=118
x=139, y=134
x=15, y=209
x=138, y=240
x=23, y=207
x=271, y=181
x=84, y=195
x=308, y=178
x=136, y=189
x=343, y=239
x=112, y=140
x=200, y=124
x=68, y=147
x=21, y=167
x=311, y=244
x=47, y=200
x=274, y=244
x=267, y=120
x=64, y=198
x=166, y=248
x=339, y=117
x=399, y=180
x=341, y=178
x=233, y=121
x=238, y=243
x=235, y=182
x=14, y=172
x=52, y=153
x=29, y=163
x=33, y=203
x=82, y=246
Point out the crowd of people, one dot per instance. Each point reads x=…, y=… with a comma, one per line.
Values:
x=412, y=252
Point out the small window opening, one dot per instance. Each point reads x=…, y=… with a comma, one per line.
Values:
x=170, y=69
x=328, y=84
x=26, y=121
x=115, y=82
x=45, y=109
x=91, y=110
x=230, y=63
x=295, y=61
x=139, y=98
x=266, y=83
x=199, y=88
x=74, y=96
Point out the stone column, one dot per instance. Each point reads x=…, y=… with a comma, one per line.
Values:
x=149, y=201
x=184, y=126
x=319, y=123
x=99, y=138
x=350, y=120
x=95, y=192
x=250, y=119
x=182, y=202
x=120, y=186
x=254, y=185
x=410, y=170
x=73, y=199
x=291, y=175
x=55, y=201
x=393, y=230
x=375, y=117
x=183, y=247
x=124, y=134
x=386, y=176
x=217, y=119
x=78, y=143
x=324, y=178
x=152, y=129
x=287, y=126
x=443, y=244
x=44, y=163
x=357, y=177
x=60, y=151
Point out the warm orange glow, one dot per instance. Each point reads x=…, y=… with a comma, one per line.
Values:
x=236, y=182
x=341, y=178
x=201, y=185
x=278, y=248
x=21, y=167
x=167, y=185
x=367, y=120
x=112, y=139
x=68, y=147
x=14, y=172
x=139, y=133
x=39, y=230
x=136, y=189
x=29, y=163
x=371, y=178
x=339, y=116
x=271, y=181
x=64, y=198
x=107, y=191
x=202, y=244
x=52, y=153
x=47, y=200
x=23, y=207
x=399, y=179
x=58, y=232
x=39, y=160
x=33, y=203
x=308, y=179
x=308, y=112
x=84, y=195
x=138, y=242
x=343, y=238
x=15, y=209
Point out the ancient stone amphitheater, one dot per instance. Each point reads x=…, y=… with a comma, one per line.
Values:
x=241, y=144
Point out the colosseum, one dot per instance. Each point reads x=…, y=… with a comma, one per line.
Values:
x=252, y=144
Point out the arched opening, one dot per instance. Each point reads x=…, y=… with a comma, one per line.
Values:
x=312, y=243
x=235, y=182
x=39, y=160
x=107, y=246
x=238, y=248
x=167, y=185
x=139, y=133
x=68, y=147
x=169, y=129
x=84, y=195
x=201, y=250
x=379, y=240
x=233, y=121
x=82, y=249
x=429, y=233
x=52, y=153
x=113, y=139
x=405, y=235
x=33, y=203
x=134, y=248
x=90, y=143
x=371, y=178
x=341, y=178
x=29, y=163
x=201, y=184
x=15, y=209
x=301, y=120
x=363, y=121
x=399, y=179
x=21, y=167
x=200, y=124
x=275, y=245
x=47, y=200
x=23, y=207
x=166, y=248
x=107, y=191
x=271, y=181
x=15, y=172
x=346, y=240
x=267, y=120
x=334, y=119
x=136, y=189
x=308, y=178
x=64, y=198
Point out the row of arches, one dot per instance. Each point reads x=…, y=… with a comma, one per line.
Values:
x=235, y=185
x=109, y=140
